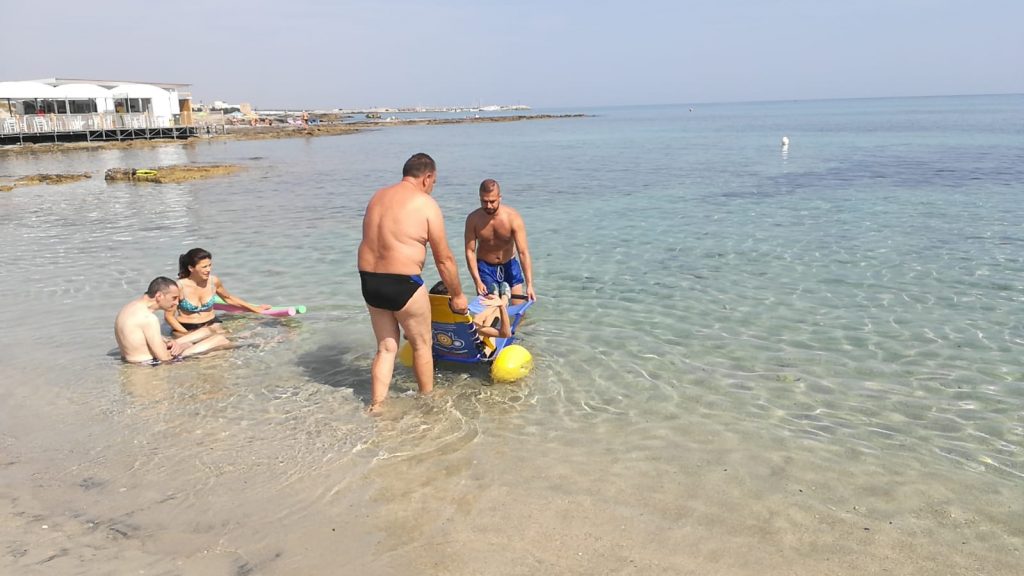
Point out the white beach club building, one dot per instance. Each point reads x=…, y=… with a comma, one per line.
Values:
x=69, y=105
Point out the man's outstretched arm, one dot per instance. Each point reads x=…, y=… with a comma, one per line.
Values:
x=522, y=247
x=474, y=270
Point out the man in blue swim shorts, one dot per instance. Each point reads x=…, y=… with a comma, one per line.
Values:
x=400, y=221
x=495, y=234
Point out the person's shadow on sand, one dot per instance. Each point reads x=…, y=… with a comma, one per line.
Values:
x=338, y=367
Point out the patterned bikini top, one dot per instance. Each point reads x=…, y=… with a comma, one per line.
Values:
x=190, y=308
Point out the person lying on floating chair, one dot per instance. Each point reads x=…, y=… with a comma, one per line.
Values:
x=476, y=338
x=493, y=321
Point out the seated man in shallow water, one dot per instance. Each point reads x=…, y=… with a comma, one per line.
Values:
x=138, y=331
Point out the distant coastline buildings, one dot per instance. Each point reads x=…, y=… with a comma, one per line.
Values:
x=161, y=102
x=433, y=109
x=62, y=106
x=76, y=109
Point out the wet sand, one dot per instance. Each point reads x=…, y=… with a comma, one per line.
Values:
x=462, y=503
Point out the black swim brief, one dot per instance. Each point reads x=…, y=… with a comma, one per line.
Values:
x=193, y=326
x=388, y=291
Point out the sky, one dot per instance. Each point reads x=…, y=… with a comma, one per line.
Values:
x=324, y=54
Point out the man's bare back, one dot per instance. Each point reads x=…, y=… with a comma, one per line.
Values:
x=130, y=327
x=395, y=230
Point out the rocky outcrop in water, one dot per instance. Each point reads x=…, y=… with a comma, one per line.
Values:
x=35, y=179
x=169, y=174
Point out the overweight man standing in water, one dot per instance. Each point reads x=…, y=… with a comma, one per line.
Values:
x=400, y=221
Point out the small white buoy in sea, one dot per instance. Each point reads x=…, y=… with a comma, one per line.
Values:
x=785, y=142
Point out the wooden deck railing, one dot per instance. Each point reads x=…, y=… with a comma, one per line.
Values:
x=50, y=123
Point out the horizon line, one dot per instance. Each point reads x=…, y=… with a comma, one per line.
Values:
x=677, y=103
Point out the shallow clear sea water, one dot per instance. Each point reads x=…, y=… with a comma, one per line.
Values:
x=804, y=359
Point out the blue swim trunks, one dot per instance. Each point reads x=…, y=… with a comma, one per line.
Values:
x=510, y=272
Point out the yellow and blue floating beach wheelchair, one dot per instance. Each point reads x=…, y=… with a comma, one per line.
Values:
x=455, y=338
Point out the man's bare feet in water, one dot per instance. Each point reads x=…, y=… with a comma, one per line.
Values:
x=379, y=408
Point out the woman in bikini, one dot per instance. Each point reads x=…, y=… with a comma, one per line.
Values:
x=198, y=287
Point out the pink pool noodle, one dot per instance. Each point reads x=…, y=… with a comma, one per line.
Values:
x=288, y=311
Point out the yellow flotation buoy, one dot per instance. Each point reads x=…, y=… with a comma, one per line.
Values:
x=511, y=364
x=405, y=355
x=144, y=172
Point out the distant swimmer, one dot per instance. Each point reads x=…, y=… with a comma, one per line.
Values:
x=785, y=142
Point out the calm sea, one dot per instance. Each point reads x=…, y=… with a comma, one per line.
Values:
x=748, y=360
